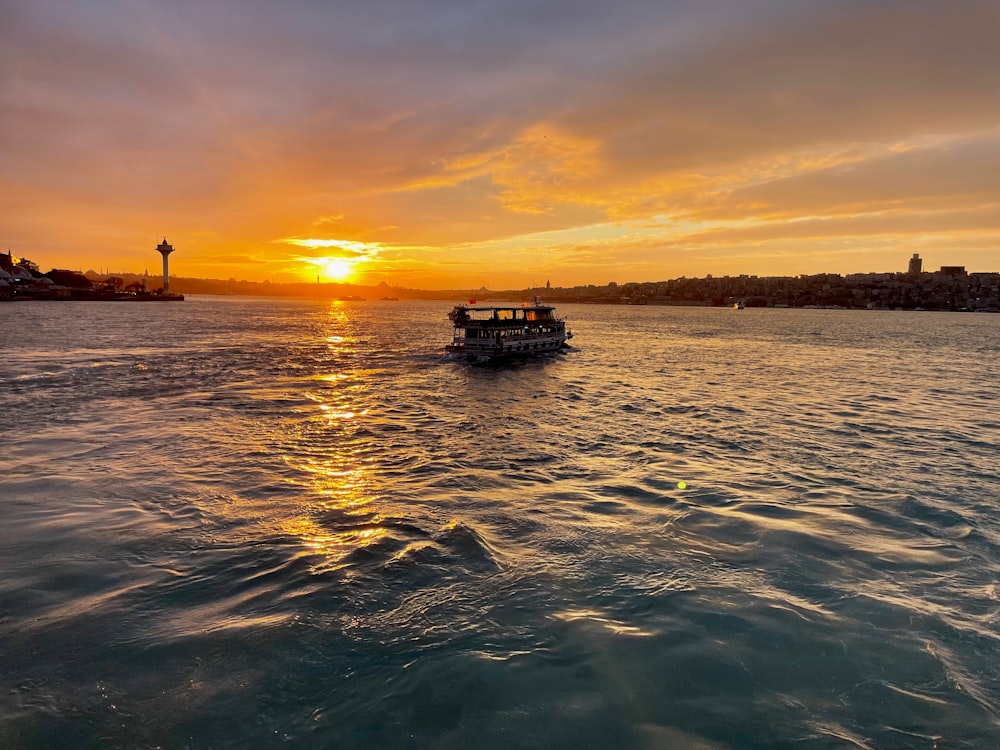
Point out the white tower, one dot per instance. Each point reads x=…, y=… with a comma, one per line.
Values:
x=165, y=250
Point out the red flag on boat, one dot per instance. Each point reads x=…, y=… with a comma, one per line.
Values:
x=472, y=302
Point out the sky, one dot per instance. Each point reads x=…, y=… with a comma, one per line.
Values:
x=502, y=143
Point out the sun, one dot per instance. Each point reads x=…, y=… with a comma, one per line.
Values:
x=336, y=269
x=349, y=256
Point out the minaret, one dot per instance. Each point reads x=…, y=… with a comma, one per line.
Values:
x=165, y=250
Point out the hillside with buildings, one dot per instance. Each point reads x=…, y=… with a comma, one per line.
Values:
x=949, y=288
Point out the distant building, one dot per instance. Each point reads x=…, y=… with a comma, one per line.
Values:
x=953, y=270
x=916, y=264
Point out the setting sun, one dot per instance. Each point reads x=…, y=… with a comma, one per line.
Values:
x=336, y=269
x=342, y=264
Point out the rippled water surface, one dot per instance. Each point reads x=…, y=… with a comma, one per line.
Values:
x=272, y=523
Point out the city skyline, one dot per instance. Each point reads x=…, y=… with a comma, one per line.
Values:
x=914, y=264
x=501, y=144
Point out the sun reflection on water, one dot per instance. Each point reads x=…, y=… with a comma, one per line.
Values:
x=331, y=454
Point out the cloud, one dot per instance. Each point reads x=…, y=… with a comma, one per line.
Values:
x=957, y=174
x=334, y=248
x=234, y=260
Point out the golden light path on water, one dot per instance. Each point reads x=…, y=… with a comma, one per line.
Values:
x=335, y=461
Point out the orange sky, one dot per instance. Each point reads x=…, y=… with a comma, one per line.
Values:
x=500, y=142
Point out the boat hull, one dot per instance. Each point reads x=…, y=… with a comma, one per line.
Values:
x=513, y=350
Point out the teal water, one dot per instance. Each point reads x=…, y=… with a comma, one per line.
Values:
x=238, y=522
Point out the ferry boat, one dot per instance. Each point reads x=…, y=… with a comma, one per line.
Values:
x=484, y=334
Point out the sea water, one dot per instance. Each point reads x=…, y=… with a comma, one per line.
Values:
x=236, y=522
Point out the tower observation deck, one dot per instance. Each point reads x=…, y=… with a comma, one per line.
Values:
x=164, y=248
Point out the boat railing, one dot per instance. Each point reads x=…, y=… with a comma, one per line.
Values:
x=513, y=335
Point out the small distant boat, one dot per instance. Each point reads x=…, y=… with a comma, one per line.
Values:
x=152, y=298
x=739, y=304
x=389, y=299
x=351, y=298
x=486, y=334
